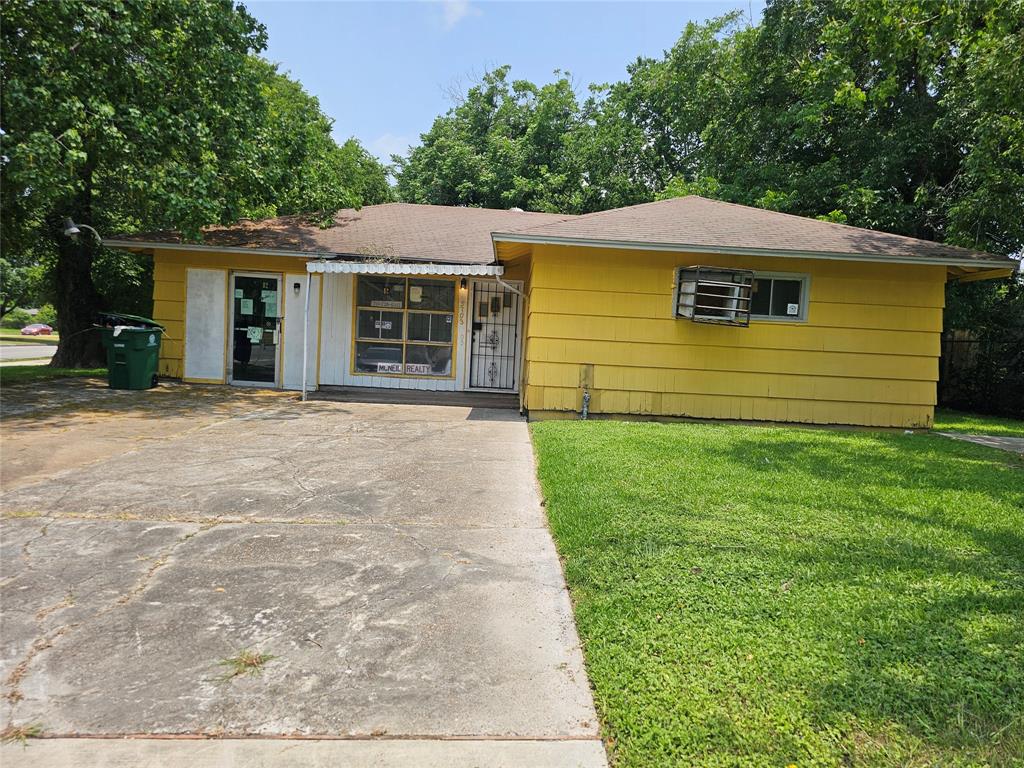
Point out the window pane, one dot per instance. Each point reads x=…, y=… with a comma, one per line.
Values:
x=419, y=327
x=786, y=298
x=436, y=328
x=375, y=357
x=760, y=303
x=428, y=361
x=380, y=325
x=381, y=292
x=431, y=294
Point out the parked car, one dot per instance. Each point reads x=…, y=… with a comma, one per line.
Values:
x=36, y=329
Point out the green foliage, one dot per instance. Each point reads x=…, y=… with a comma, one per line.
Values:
x=48, y=315
x=149, y=114
x=889, y=114
x=987, y=374
x=501, y=147
x=300, y=168
x=751, y=596
x=18, y=318
x=20, y=284
x=976, y=424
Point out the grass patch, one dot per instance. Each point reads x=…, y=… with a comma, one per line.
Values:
x=9, y=335
x=30, y=374
x=20, y=734
x=977, y=424
x=752, y=596
x=245, y=663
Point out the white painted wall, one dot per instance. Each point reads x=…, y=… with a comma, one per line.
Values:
x=294, y=310
x=205, y=321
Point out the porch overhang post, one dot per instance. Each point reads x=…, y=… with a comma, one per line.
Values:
x=305, y=333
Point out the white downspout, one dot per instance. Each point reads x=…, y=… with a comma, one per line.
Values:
x=512, y=288
x=305, y=335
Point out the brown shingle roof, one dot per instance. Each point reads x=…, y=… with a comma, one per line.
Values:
x=400, y=231
x=705, y=224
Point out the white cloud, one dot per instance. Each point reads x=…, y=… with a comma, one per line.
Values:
x=388, y=144
x=456, y=10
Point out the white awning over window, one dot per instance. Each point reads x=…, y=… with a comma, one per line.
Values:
x=370, y=268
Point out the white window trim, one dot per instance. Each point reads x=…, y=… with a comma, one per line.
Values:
x=805, y=293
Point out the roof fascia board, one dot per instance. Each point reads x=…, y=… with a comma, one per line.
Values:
x=737, y=251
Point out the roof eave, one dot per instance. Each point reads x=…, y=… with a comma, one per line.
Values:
x=512, y=237
x=138, y=245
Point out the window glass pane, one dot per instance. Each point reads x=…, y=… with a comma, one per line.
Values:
x=760, y=303
x=381, y=292
x=380, y=325
x=786, y=298
x=377, y=357
x=422, y=360
x=419, y=327
x=436, y=328
x=431, y=294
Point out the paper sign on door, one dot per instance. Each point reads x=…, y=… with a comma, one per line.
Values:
x=246, y=307
x=255, y=334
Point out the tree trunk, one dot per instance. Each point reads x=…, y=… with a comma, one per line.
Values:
x=77, y=301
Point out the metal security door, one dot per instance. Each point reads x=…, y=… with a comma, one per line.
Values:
x=494, y=353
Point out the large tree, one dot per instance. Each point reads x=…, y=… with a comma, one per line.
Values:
x=300, y=167
x=900, y=115
x=150, y=114
x=502, y=146
x=119, y=114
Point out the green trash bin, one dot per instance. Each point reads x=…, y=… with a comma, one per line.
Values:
x=133, y=350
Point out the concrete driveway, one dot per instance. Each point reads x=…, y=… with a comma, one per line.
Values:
x=392, y=560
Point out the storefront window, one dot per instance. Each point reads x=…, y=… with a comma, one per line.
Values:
x=404, y=326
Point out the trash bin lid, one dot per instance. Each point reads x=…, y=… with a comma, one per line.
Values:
x=119, y=318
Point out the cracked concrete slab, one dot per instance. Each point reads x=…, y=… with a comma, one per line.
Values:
x=423, y=631
x=393, y=560
x=394, y=470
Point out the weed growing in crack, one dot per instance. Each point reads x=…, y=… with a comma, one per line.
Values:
x=245, y=663
x=21, y=733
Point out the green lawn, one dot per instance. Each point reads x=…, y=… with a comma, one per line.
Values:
x=977, y=424
x=755, y=596
x=22, y=374
x=13, y=336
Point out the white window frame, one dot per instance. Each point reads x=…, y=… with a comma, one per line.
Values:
x=805, y=292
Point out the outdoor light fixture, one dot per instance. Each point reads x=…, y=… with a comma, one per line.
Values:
x=296, y=288
x=73, y=230
x=462, y=284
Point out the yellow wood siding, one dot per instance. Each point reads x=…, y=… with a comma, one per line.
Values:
x=169, y=269
x=867, y=354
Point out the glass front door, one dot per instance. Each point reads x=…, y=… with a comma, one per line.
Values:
x=256, y=323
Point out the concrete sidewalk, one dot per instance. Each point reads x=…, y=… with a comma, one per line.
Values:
x=285, y=753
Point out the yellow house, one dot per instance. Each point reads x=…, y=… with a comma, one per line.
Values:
x=681, y=308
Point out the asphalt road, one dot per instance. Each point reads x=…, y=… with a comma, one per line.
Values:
x=22, y=351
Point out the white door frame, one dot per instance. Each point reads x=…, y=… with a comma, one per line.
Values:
x=520, y=326
x=231, y=329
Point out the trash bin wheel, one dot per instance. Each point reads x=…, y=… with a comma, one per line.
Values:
x=156, y=380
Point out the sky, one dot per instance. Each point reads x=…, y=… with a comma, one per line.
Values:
x=384, y=70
